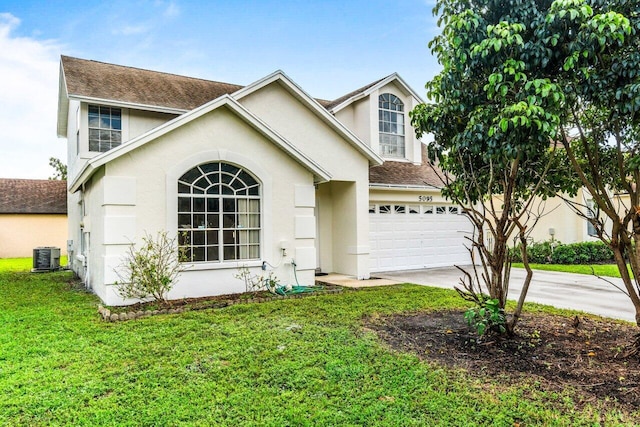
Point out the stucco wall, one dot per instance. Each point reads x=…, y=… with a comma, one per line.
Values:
x=357, y=117
x=568, y=226
x=74, y=219
x=154, y=169
x=92, y=227
x=349, y=169
x=143, y=121
x=282, y=112
x=406, y=195
x=20, y=234
x=73, y=160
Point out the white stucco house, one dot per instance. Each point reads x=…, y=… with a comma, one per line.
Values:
x=247, y=174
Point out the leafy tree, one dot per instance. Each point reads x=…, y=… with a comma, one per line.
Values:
x=59, y=167
x=599, y=47
x=493, y=117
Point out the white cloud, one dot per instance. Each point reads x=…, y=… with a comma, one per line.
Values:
x=172, y=10
x=28, y=103
x=7, y=23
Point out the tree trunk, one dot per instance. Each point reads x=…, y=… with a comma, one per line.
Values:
x=626, y=279
x=525, y=286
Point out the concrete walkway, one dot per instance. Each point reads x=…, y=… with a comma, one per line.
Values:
x=352, y=282
x=563, y=290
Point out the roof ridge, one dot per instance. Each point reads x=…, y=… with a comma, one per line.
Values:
x=353, y=93
x=149, y=70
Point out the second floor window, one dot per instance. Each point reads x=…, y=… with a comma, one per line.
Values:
x=105, y=128
x=391, y=125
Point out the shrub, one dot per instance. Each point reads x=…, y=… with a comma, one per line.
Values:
x=486, y=317
x=257, y=282
x=564, y=254
x=539, y=252
x=582, y=253
x=573, y=253
x=151, y=270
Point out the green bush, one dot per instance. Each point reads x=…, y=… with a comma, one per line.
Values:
x=573, y=253
x=539, y=253
x=151, y=270
x=565, y=254
x=582, y=253
x=487, y=317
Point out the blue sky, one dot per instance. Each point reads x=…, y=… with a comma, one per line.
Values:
x=328, y=47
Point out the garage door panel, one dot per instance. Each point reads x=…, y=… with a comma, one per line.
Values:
x=402, y=241
x=385, y=245
x=414, y=244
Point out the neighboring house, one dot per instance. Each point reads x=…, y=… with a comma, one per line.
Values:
x=556, y=221
x=247, y=175
x=33, y=213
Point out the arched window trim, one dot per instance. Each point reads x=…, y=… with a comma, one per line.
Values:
x=391, y=123
x=219, y=213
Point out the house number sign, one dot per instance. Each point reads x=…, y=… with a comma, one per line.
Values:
x=425, y=198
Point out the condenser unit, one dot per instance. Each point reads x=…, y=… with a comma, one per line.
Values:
x=46, y=259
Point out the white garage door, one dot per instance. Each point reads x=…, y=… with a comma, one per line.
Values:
x=405, y=237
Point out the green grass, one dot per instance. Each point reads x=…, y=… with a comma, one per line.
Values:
x=22, y=264
x=605, y=270
x=297, y=362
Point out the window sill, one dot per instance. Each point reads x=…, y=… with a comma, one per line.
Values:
x=198, y=266
x=396, y=159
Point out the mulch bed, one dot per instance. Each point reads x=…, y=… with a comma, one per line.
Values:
x=585, y=354
x=143, y=309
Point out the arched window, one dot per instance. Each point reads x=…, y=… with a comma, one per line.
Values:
x=218, y=214
x=391, y=125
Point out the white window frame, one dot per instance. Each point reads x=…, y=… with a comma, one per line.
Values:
x=391, y=126
x=107, y=127
x=219, y=214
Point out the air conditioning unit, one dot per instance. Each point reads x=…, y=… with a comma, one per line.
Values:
x=46, y=259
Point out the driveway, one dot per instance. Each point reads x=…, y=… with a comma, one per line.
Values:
x=563, y=290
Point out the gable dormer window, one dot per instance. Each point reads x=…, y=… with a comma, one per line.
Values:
x=105, y=128
x=391, y=125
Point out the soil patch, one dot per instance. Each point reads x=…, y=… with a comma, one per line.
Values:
x=581, y=353
x=219, y=301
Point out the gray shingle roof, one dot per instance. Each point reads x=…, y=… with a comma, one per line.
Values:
x=33, y=196
x=100, y=80
x=403, y=173
x=330, y=104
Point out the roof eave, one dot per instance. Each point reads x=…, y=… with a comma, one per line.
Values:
x=63, y=104
x=369, y=91
x=126, y=104
x=381, y=186
x=85, y=173
x=320, y=174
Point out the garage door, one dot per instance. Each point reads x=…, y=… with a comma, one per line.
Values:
x=406, y=237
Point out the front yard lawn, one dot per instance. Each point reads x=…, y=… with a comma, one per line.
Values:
x=296, y=362
x=22, y=264
x=604, y=270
